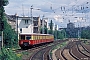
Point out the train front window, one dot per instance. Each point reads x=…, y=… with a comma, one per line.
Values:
x=28, y=37
x=22, y=37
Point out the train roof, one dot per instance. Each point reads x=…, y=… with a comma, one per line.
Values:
x=32, y=34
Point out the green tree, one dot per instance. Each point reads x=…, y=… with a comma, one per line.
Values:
x=2, y=4
x=55, y=34
x=85, y=34
x=8, y=54
x=51, y=27
x=59, y=34
x=45, y=30
x=9, y=35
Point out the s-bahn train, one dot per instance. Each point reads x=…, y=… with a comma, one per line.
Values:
x=29, y=40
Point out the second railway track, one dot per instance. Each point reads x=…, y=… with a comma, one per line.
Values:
x=73, y=51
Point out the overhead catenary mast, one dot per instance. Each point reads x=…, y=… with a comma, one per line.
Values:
x=23, y=10
x=32, y=17
x=43, y=25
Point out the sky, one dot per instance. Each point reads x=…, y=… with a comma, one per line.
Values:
x=60, y=11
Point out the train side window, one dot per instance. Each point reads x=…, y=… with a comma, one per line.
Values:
x=44, y=37
x=34, y=37
x=28, y=37
x=37, y=37
x=40, y=37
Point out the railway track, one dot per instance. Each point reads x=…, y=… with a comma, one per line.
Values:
x=87, y=49
x=66, y=52
x=43, y=54
x=40, y=55
x=35, y=50
x=31, y=51
x=78, y=53
x=83, y=51
x=73, y=51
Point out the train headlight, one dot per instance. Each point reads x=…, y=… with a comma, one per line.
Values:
x=21, y=42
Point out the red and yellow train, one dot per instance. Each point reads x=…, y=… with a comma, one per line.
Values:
x=29, y=40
